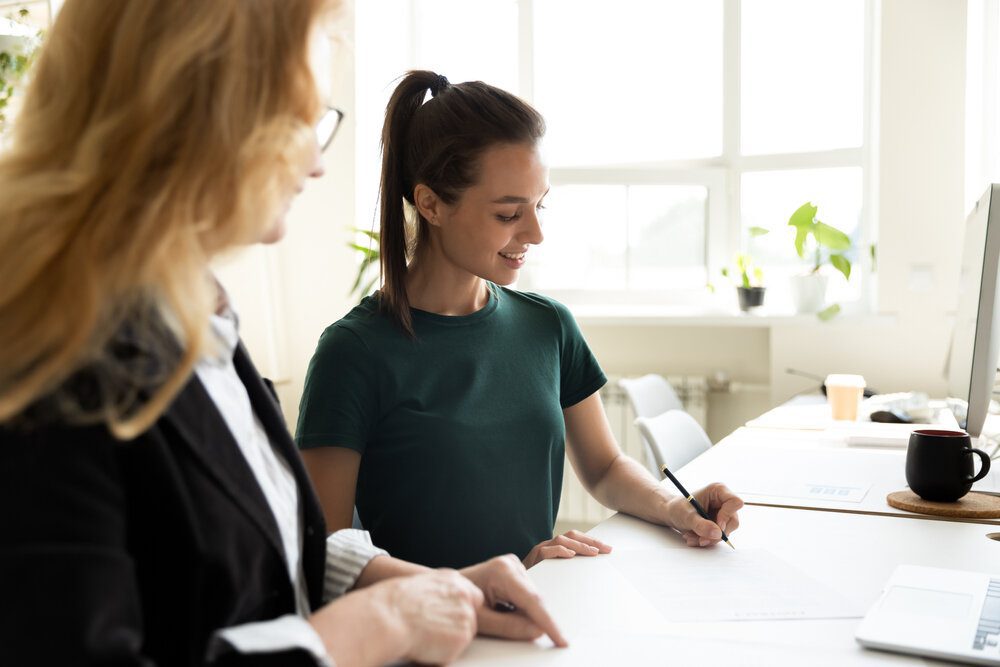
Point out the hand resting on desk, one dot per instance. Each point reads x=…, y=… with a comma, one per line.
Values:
x=567, y=545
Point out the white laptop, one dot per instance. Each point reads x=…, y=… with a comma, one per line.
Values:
x=938, y=613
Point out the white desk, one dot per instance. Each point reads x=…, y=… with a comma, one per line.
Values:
x=804, y=469
x=852, y=549
x=608, y=621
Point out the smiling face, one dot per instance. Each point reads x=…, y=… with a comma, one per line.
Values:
x=489, y=230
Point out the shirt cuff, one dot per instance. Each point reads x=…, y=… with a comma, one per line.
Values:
x=284, y=633
x=348, y=552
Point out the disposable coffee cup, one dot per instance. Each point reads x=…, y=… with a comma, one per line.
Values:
x=844, y=392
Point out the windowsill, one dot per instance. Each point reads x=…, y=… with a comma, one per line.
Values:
x=693, y=316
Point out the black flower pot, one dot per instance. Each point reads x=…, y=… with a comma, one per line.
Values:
x=750, y=297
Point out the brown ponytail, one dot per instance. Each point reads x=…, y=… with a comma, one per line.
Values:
x=438, y=144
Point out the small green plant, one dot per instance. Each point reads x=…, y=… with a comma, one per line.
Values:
x=16, y=54
x=819, y=244
x=746, y=273
x=749, y=274
x=828, y=243
x=368, y=273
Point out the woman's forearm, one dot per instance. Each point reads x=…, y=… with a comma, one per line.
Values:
x=381, y=568
x=628, y=487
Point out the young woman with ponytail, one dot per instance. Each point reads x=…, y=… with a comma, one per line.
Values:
x=155, y=509
x=442, y=405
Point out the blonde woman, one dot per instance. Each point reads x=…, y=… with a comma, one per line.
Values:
x=155, y=508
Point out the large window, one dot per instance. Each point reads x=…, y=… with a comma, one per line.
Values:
x=982, y=103
x=673, y=127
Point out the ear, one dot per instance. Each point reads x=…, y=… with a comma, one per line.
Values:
x=428, y=204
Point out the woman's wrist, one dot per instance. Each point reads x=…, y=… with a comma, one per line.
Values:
x=671, y=507
x=363, y=628
x=394, y=627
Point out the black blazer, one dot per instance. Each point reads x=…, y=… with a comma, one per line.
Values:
x=135, y=553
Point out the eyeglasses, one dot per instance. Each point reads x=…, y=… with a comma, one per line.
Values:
x=327, y=126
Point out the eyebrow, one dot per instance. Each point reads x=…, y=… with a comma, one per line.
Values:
x=514, y=199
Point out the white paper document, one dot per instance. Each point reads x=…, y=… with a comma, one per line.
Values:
x=782, y=473
x=763, y=489
x=725, y=585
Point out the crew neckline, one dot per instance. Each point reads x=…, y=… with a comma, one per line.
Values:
x=493, y=302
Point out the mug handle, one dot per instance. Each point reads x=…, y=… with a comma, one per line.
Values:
x=985, y=458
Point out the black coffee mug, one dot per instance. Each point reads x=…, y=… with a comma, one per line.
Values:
x=939, y=464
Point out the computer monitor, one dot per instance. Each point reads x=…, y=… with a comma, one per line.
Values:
x=972, y=361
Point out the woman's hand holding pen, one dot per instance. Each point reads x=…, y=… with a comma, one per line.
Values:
x=719, y=502
x=512, y=608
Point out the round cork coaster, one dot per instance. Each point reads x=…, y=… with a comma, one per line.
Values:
x=969, y=506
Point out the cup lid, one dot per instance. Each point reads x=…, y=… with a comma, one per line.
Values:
x=844, y=380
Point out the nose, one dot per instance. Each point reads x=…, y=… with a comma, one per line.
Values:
x=531, y=233
x=317, y=169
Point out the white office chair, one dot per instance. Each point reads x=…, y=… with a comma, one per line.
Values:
x=650, y=395
x=673, y=438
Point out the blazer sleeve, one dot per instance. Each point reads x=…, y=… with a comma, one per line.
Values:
x=70, y=593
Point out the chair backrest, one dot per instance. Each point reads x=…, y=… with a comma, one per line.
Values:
x=650, y=395
x=674, y=438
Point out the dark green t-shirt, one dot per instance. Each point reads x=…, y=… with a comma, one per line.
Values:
x=461, y=429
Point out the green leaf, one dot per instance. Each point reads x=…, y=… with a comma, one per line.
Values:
x=828, y=313
x=758, y=275
x=801, y=234
x=710, y=287
x=842, y=264
x=803, y=216
x=725, y=271
x=374, y=236
x=362, y=270
x=757, y=231
x=366, y=251
x=831, y=237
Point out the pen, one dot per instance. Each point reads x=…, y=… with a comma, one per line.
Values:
x=694, y=502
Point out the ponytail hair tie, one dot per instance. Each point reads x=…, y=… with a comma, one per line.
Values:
x=440, y=83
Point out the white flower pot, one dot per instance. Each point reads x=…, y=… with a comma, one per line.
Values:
x=809, y=293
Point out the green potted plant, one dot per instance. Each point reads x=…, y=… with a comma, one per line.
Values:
x=819, y=244
x=747, y=276
x=368, y=269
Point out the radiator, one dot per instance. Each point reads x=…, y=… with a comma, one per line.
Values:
x=576, y=506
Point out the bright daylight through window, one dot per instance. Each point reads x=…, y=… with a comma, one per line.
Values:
x=674, y=128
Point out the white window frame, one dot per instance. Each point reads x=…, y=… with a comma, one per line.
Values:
x=720, y=175
x=983, y=125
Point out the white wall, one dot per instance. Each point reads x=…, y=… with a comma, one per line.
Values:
x=919, y=217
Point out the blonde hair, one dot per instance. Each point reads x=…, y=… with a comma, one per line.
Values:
x=153, y=136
